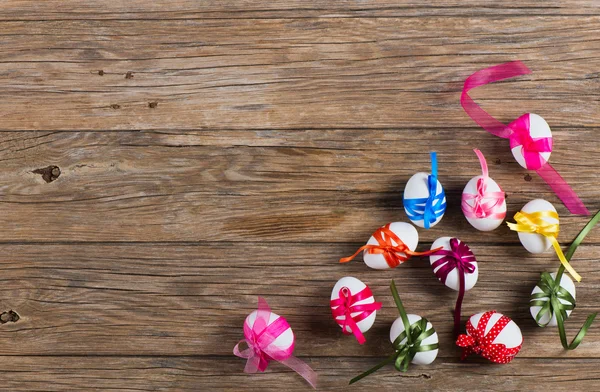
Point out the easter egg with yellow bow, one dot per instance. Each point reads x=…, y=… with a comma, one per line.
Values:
x=537, y=225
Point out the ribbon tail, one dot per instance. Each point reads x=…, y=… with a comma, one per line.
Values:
x=481, y=78
x=564, y=261
x=564, y=192
x=381, y=364
x=302, y=369
x=580, y=335
x=458, y=306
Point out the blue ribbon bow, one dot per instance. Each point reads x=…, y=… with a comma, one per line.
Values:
x=432, y=207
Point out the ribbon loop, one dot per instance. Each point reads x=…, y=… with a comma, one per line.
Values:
x=390, y=246
x=483, y=204
x=430, y=208
x=535, y=223
x=461, y=258
x=407, y=344
x=346, y=305
x=531, y=147
x=261, y=351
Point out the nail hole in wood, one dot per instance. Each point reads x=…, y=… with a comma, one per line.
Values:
x=49, y=173
x=9, y=317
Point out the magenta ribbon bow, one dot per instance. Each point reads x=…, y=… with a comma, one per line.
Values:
x=479, y=208
x=531, y=147
x=518, y=132
x=346, y=305
x=461, y=258
x=261, y=350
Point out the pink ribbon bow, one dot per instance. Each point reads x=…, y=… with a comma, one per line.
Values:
x=516, y=132
x=346, y=305
x=261, y=350
x=479, y=208
x=461, y=258
x=477, y=342
x=531, y=148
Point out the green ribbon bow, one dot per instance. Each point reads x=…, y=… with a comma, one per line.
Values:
x=404, y=352
x=553, y=293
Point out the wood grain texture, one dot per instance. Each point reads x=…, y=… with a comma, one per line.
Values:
x=291, y=73
x=166, y=162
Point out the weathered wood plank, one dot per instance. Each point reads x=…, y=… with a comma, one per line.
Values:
x=291, y=73
x=191, y=299
x=218, y=373
x=232, y=9
x=314, y=185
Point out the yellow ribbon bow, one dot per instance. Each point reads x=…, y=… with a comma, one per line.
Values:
x=533, y=223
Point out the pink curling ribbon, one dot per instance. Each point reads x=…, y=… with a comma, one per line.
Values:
x=346, y=305
x=261, y=350
x=478, y=208
x=518, y=132
x=461, y=258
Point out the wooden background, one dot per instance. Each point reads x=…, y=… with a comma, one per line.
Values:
x=164, y=162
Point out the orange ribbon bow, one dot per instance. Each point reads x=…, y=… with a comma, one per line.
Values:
x=394, y=254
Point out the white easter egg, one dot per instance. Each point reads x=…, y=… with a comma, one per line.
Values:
x=421, y=358
x=510, y=336
x=487, y=223
x=416, y=188
x=567, y=284
x=538, y=127
x=452, y=280
x=354, y=286
x=533, y=242
x=285, y=340
x=405, y=231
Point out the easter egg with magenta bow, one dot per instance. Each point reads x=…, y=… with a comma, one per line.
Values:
x=531, y=141
x=353, y=307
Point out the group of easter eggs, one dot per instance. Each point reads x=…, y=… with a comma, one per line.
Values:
x=490, y=334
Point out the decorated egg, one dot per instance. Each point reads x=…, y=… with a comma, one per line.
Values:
x=452, y=277
x=424, y=197
x=567, y=284
x=509, y=335
x=405, y=232
x=483, y=202
x=533, y=242
x=420, y=358
x=491, y=335
x=531, y=141
x=353, y=306
x=417, y=188
x=285, y=341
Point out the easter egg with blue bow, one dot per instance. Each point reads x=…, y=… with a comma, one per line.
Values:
x=424, y=197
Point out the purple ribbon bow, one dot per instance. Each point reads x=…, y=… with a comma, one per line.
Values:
x=461, y=258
